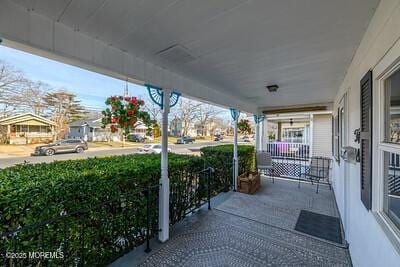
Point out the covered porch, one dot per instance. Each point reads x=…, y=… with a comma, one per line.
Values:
x=252, y=230
x=231, y=53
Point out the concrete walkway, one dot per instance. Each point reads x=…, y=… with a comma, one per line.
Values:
x=244, y=230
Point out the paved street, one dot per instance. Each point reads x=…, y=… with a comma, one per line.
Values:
x=180, y=149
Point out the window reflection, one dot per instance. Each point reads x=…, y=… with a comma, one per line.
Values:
x=392, y=184
x=392, y=85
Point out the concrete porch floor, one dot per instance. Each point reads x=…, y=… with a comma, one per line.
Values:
x=249, y=230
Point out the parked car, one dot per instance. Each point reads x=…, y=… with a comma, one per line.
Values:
x=61, y=146
x=151, y=148
x=136, y=138
x=185, y=140
x=218, y=137
x=245, y=139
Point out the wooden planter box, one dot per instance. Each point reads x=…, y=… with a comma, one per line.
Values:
x=249, y=182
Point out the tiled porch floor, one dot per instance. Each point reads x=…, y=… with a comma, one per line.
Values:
x=250, y=230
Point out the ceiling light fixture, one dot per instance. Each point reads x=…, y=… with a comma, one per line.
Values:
x=272, y=88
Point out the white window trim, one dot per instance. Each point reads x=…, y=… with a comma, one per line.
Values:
x=386, y=67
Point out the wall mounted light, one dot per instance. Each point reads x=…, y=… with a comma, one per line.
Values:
x=272, y=88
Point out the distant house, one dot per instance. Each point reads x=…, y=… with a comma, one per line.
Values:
x=176, y=128
x=27, y=128
x=91, y=130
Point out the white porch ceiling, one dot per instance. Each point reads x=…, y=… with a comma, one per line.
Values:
x=235, y=47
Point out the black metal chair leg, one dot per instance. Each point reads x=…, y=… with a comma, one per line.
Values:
x=273, y=176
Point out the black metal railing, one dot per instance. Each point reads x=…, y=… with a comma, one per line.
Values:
x=288, y=150
x=93, y=236
x=189, y=192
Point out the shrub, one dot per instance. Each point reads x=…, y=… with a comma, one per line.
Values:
x=31, y=194
x=94, y=209
x=221, y=159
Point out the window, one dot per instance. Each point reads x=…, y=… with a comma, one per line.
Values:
x=392, y=108
x=335, y=137
x=24, y=128
x=77, y=141
x=390, y=148
x=391, y=204
x=293, y=135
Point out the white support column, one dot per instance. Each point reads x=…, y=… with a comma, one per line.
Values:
x=264, y=125
x=311, y=134
x=257, y=136
x=163, y=216
x=235, y=154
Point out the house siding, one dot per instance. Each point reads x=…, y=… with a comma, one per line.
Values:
x=322, y=135
x=369, y=244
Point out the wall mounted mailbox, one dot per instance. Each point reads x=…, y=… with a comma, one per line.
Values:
x=350, y=154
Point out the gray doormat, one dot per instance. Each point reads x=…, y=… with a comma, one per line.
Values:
x=319, y=225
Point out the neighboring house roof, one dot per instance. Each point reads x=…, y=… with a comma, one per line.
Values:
x=27, y=119
x=89, y=122
x=97, y=124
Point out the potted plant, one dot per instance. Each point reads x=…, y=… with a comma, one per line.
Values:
x=123, y=113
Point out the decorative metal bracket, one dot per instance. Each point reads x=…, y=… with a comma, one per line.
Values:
x=357, y=135
x=258, y=118
x=157, y=96
x=235, y=113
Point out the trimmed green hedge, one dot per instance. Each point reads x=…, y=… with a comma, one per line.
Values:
x=221, y=159
x=31, y=194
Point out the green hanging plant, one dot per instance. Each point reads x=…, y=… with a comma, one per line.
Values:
x=123, y=113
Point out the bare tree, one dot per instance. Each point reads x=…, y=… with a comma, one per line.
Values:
x=32, y=98
x=186, y=112
x=12, y=83
x=205, y=114
x=153, y=109
x=64, y=109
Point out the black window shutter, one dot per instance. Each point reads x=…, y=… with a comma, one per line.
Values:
x=366, y=139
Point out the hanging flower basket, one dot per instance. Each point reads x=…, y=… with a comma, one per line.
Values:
x=123, y=113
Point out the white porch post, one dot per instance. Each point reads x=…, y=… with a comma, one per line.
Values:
x=257, y=137
x=235, y=155
x=258, y=120
x=164, y=181
x=235, y=116
x=264, y=125
x=311, y=134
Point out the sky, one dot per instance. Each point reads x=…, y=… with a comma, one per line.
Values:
x=91, y=88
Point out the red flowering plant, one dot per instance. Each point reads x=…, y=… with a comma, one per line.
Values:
x=123, y=113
